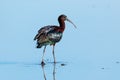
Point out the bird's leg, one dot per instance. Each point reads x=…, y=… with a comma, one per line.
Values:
x=54, y=54
x=43, y=56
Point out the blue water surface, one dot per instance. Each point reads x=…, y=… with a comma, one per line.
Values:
x=90, y=52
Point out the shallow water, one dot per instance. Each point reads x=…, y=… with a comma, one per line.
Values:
x=31, y=71
x=58, y=71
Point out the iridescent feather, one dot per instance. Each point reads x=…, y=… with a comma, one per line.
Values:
x=48, y=35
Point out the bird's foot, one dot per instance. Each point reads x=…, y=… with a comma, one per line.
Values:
x=42, y=63
x=54, y=62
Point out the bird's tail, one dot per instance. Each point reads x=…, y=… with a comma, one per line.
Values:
x=39, y=45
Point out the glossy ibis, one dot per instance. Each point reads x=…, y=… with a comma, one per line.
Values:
x=51, y=34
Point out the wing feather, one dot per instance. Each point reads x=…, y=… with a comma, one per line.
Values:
x=44, y=30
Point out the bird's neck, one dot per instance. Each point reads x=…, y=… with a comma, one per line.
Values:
x=62, y=25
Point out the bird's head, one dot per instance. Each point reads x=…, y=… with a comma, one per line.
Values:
x=64, y=18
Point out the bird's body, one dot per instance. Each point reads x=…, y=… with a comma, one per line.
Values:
x=50, y=35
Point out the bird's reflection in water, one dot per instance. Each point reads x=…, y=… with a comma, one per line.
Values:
x=54, y=71
x=43, y=71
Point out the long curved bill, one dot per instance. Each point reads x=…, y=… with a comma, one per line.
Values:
x=71, y=22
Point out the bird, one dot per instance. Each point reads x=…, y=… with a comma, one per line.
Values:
x=51, y=34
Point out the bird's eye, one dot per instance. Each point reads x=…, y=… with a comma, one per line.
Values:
x=65, y=16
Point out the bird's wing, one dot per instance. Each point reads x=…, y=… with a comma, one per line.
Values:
x=44, y=30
